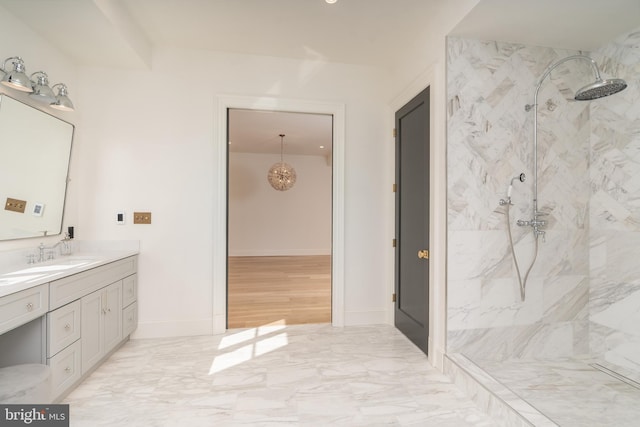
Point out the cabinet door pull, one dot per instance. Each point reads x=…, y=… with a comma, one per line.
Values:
x=67, y=369
x=30, y=306
x=67, y=327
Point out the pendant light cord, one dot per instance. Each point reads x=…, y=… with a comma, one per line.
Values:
x=282, y=148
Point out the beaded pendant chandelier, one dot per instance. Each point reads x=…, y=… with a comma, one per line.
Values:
x=281, y=176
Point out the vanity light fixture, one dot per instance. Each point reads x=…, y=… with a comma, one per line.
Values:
x=41, y=90
x=37, y=84
x=63, y=102
x=16, y=78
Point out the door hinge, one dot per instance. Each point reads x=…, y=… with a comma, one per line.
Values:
x=395, y=188
x=394, y=243
x=393, y=298
x=395, y=133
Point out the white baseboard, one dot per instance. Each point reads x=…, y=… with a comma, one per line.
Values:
x=358, y=318
x=166, y=329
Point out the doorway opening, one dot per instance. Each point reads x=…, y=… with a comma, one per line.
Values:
x=279, y=242
x=222, y=105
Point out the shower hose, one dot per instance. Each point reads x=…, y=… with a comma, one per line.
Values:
x=523, y=283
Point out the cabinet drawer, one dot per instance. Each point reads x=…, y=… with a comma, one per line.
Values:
x=129, y=290
x=71, y=288
x=22, y=307
x=129, y=319
x=65, y=369
x=63, y=327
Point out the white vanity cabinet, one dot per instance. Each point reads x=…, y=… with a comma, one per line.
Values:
x=101, y=324
x=70, y=313
x=86, y=322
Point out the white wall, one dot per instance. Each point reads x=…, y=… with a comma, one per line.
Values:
x=149, y=146
x=266, y=222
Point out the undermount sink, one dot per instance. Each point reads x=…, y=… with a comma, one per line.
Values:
x=13, y=280
x=45, y=268
x=73, y=261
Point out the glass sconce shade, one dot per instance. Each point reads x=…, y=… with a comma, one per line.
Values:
x=62, y=101
x=41, y=90
x=16, y=78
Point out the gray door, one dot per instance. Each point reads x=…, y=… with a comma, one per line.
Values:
x=412, y=220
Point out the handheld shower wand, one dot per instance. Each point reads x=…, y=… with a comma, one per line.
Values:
x=521, y=281
x=520, y=178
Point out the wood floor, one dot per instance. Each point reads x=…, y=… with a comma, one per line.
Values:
x=278, y=290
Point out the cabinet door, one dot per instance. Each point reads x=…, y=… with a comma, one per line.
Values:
x=92, y=330
x=112, y=316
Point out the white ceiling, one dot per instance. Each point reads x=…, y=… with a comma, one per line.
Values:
x=123, y=33
x=567, y=24
x=252, y=131
x=98, y=32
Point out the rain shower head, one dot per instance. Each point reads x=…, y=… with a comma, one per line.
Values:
x=600, y=88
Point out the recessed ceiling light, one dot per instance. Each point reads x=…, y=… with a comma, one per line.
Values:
x=322, y=146
x=331, y=1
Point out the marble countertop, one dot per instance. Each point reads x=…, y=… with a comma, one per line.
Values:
x=24, y=276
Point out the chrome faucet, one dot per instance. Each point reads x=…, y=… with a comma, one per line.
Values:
x=65, y=249
x=536, y=223
x=41, y=248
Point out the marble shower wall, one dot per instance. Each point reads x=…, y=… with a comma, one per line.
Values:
x=615, y=209
x=490, y=141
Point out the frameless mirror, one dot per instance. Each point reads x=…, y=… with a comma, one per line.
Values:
x=35, y=149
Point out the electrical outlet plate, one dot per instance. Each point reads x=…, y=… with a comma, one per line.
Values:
x=15, y=205
x=142, y=217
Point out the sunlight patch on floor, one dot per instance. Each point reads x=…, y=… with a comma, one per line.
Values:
x=263, y=342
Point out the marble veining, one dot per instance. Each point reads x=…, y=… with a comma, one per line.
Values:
x=584, y=291
x=490, y=140
x=307, y=375
x=614, y=299
x=569, y=391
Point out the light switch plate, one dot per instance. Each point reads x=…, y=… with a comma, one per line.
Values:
x=142, y=217
x=121, y=218
x=15, y=205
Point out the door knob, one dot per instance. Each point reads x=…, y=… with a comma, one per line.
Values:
x=423, y=254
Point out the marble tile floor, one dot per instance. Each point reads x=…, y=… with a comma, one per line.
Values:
x=306, y=375
x=570, y=391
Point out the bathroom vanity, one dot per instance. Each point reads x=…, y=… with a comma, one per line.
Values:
x=70, y=313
